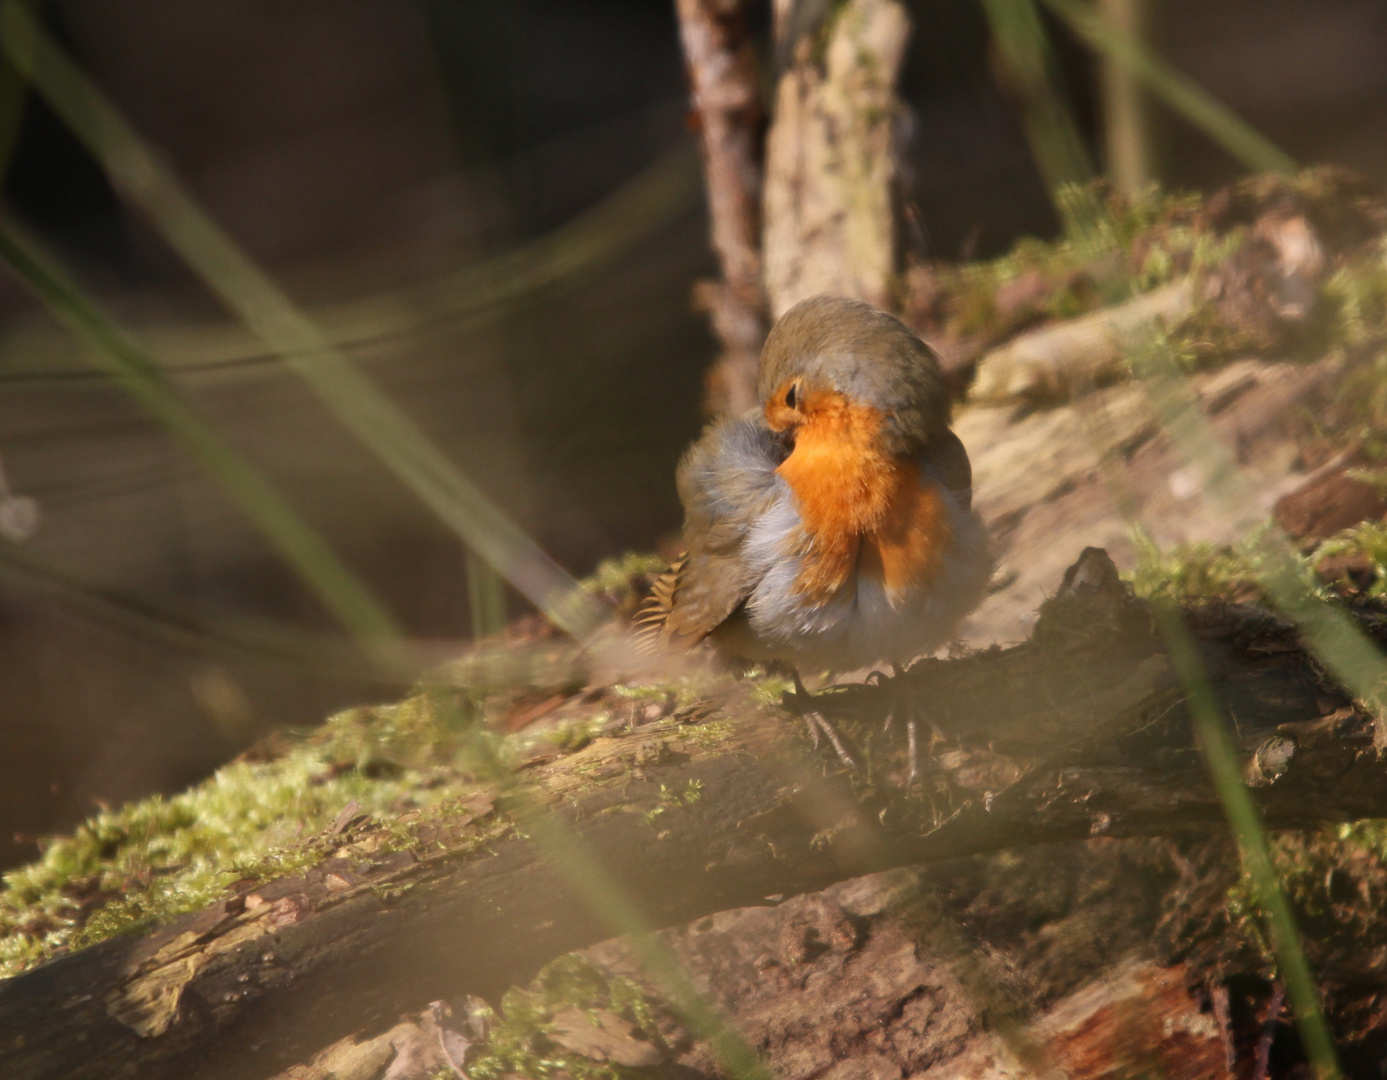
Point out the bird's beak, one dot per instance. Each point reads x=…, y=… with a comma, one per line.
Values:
x=785, y=439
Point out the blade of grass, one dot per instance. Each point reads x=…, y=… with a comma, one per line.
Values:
x=470, y=297
x=13, y=90
x=635, y=211
x=234, y=636
x=1126, y=118
x=564, y=849
x=1218, y=749
x=1345, y=651
x=269, y=313
x=1176, y=89
x=1025, y=51
x=486, y=598
x=142, y=379
x=1221, y=759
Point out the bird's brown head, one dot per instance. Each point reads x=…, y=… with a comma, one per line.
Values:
x=842, y=363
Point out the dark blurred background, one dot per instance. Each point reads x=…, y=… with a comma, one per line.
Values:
x=366, y=147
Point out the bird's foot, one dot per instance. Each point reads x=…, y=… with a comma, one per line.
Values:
x=912, y=753
x=880, y=680
x=819, y=720
x=905, y=707
x=799, y=700
x=802, y=703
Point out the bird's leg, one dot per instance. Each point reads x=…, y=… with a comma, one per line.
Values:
x=903, y=702
x=818, y=723
x=912, y=752
x=811, y=720
x=834, y=739
x=877, y=679
x=912, y=741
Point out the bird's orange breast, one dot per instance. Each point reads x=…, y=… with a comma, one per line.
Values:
x=861, y=510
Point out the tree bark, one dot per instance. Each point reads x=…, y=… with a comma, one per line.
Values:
x=1067, y=359
x=1079, y=732
x=831, y=157
x=722, y=71
x=824, y=218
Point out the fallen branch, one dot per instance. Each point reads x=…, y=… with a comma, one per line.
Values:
x=1057, y=362
x=1079, y=732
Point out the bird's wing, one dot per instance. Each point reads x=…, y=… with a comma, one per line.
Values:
x=726, y=482
x=653, y=615
x=947, y=461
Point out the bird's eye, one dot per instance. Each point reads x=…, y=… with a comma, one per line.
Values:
x=792, y=396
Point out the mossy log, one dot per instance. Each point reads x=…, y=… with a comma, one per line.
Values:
x=1079, y=732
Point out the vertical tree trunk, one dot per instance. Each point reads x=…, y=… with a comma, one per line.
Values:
x=726, y=100
x=831, y=157
x=825, y=217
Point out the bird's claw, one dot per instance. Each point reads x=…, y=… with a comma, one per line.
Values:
x=820, y=723
x=904, y=707
x=912, y=753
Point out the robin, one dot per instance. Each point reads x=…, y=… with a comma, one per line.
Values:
x=832, y=527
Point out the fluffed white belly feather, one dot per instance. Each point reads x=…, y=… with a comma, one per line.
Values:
x=860, y=624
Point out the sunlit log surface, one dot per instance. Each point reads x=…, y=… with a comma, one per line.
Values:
x=1079, y=732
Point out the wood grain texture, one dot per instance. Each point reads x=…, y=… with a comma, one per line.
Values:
x=1079, y=732
x=831, y=157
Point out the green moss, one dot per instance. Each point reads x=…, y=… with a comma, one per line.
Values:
x=1225, y=572
x=497, y=667
x=1357, y=295
x=254, y=820
x=573, y=734
x=1198, y=571
x=518, y=1043
x=1112, y=247
x=682, y=692
x=1356, y=303
x=1334, y=878
x=154, y=859
x=672, y=799
x=1349, y=324
x=1368, y=541
x=770, y=689
x=664, y=692
x=624, y=582
x=706, y=733
x=618, y=574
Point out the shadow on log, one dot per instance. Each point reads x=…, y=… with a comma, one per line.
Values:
x=1079, y=732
